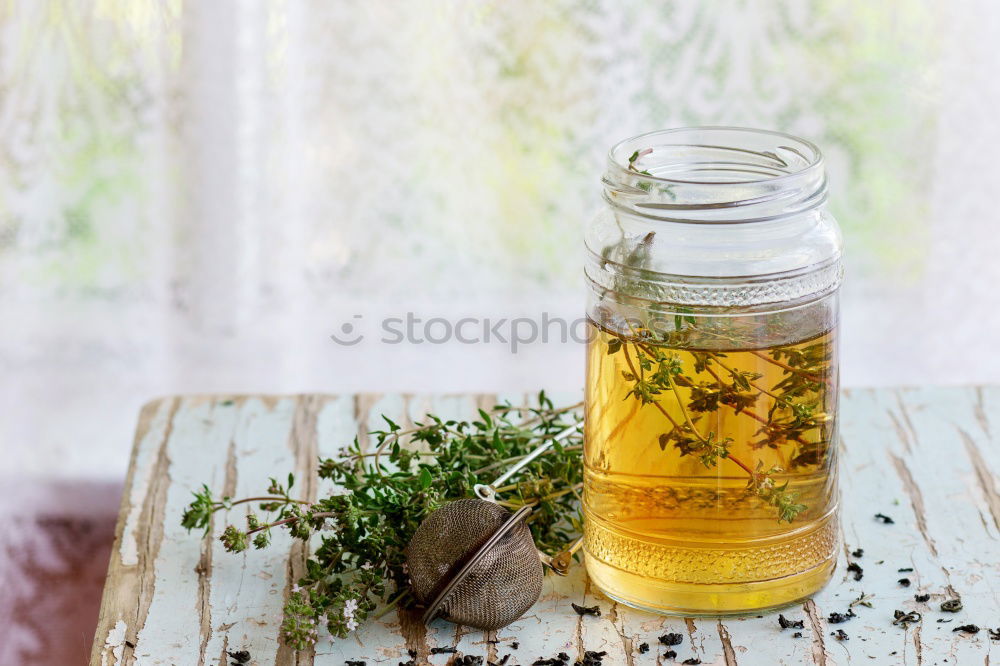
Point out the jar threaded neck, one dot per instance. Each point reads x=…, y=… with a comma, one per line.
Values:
x=715, y=175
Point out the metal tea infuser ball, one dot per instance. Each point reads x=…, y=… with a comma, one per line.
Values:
x=473, y=562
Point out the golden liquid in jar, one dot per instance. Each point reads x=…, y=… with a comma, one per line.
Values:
x=669, y=531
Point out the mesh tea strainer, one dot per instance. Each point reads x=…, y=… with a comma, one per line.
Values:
x=473, y=562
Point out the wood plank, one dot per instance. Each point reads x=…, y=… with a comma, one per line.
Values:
x=927, y=457
x=172, y=621
x=116, y=624
x=256, y=581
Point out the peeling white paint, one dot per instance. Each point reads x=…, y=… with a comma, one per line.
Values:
x=145, y=463
x=115, y=643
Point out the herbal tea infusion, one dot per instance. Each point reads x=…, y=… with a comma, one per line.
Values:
x=711, y=403
x=699, y=443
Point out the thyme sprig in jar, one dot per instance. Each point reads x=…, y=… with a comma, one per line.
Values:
x=711, y=404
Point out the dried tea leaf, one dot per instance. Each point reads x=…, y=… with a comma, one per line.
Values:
x=785, y=623
x=587, y=610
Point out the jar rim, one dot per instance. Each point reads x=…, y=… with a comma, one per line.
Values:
x=815, y=161
x=715, y=175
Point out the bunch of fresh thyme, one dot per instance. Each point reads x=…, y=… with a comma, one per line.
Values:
x=362, y=530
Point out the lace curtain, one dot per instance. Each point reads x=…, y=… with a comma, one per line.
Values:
x=197, y=195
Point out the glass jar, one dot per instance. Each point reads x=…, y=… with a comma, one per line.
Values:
x=711, y=397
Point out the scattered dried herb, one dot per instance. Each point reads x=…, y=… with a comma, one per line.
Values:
x=797, y=634
x=515, y=645
x=643, y=648
x=837, y=618
x=863, y=600
x=951, y=606
x=591, y=658
x=967, y=629
x=243, y=656
x=553, y=661
x=357, y=567
x=671, y=639
x=884, y=518
x=905, y=619
x=469, y=660
x=840, y=635
x=444, y=650
x=691, y=661
x=921, y=598
x=355, y=662
x=785, y=623
x=942, y=620
x=669, y=654
x=994, y=633
x=856, y=569
x=905, y=570
x=905, y=582
x=586, y=610
x=858, y=552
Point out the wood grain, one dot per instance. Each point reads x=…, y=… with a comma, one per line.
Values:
x=926, y=457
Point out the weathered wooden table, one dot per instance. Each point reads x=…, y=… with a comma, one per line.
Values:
x=927, y=458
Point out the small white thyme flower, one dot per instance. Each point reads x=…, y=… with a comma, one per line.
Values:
x=350, y=606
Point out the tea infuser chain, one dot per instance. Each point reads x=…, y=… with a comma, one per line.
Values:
x=561, y=561
x=489, y=492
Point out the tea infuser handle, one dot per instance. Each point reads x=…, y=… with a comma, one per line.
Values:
x=489, y=493
x=561, y=561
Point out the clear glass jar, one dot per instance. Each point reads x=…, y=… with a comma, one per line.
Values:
x=712, y=379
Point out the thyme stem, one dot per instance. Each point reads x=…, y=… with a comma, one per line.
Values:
x=513, y=459
x=261, y=499
x=391, y=605
x=718, y=359
x=288, y=521
x=680, y=403
x=773, y=361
